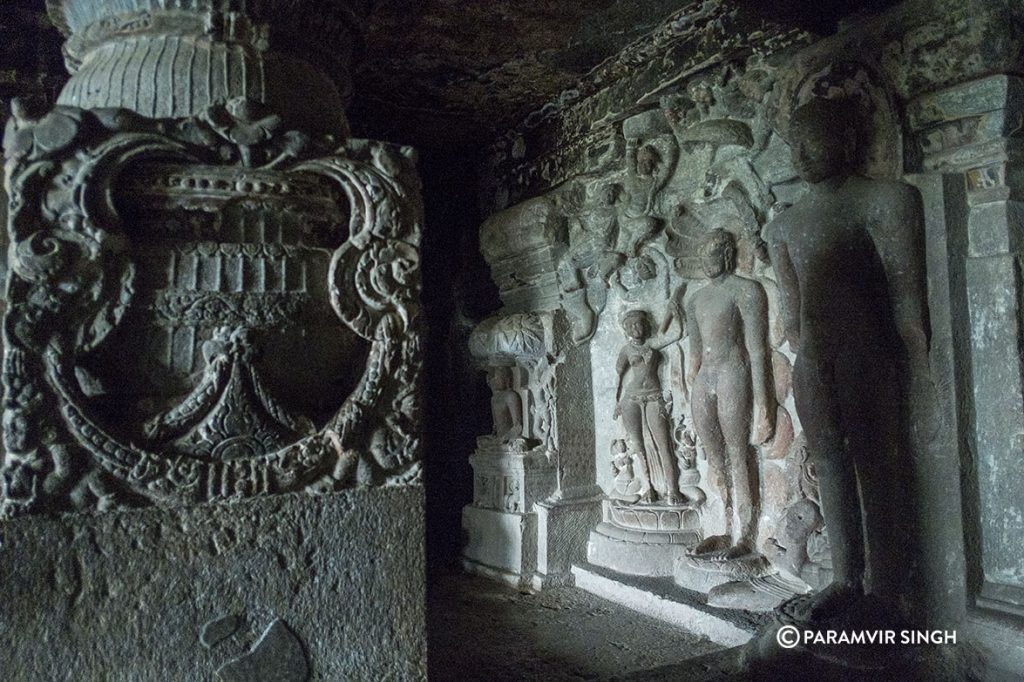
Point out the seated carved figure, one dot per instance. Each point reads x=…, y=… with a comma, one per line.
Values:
x=850, y=269
x=626, y=485
x=506, y=405
x=731, y=397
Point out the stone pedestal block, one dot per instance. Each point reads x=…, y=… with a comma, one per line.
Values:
x=507, y=480
x=289, y=587
x=643, y=539
x=697, y=579
x=632, y=558
x=500, y=545
x=562, y=530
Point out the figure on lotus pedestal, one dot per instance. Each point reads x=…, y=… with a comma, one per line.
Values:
x=644, y=412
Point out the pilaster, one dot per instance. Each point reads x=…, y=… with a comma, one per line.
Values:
x=974, y=129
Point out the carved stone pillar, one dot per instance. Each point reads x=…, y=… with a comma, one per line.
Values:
x=535, y=493
x=213, y=296
x=973, y=129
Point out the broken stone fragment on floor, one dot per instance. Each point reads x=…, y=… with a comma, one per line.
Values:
x=277, y=657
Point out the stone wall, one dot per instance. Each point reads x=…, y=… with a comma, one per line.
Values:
x=601, y=202
x=212, y=295
x=180, y=594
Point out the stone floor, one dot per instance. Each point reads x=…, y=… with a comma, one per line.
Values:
x=482, y=630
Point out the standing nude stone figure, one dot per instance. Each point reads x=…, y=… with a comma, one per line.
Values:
x=732, y=401
x=643, y=410
x=849, y=261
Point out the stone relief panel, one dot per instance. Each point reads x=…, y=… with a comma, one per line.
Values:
x=664, y=270
x=177, y=236
x=152, y=374
x=513, y=465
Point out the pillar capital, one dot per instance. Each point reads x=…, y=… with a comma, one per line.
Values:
x=175, y=58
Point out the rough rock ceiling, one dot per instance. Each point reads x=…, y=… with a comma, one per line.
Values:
x=447, y=72
x=457, y=68
x=456, y=71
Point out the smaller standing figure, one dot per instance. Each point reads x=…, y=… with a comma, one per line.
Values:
x=506, y=405
x=626, y=485
x=644, y=413
x=728, y=371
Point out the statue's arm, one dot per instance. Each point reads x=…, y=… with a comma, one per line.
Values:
x=902, y=251
x=753, y=307
x=754, y=311
x=621, y=365
x=789, y=285
x=696, y=343
x=631, y=151
x=675, y=311
x=671, y=315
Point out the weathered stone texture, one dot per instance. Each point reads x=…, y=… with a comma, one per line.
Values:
x=127, y=596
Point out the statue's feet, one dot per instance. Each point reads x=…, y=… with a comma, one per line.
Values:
x=675, y=499
x=647, y=497
x=711, y=546
x=739, y=550
x=724, y=550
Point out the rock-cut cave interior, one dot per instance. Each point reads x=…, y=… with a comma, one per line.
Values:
x=493, y=340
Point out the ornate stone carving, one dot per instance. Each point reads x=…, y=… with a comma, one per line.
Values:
x=644, y=413
x=506, y=405
x=586, y=269
x=795, y=559
x=166, y=60
x=515, y=349
x=162, y=269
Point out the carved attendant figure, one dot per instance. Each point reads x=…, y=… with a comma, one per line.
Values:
x=729, y=360
x=850, y=266
x=592, y=238
x=643, y=411
x=591, y=260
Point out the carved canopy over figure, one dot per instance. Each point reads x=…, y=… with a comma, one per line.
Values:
x=849, y=260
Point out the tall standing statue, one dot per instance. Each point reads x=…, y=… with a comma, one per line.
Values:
x=850, y=266
x=732, y=398
x=640, y=403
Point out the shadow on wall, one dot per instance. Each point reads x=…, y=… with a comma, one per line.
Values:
x=457, y=294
